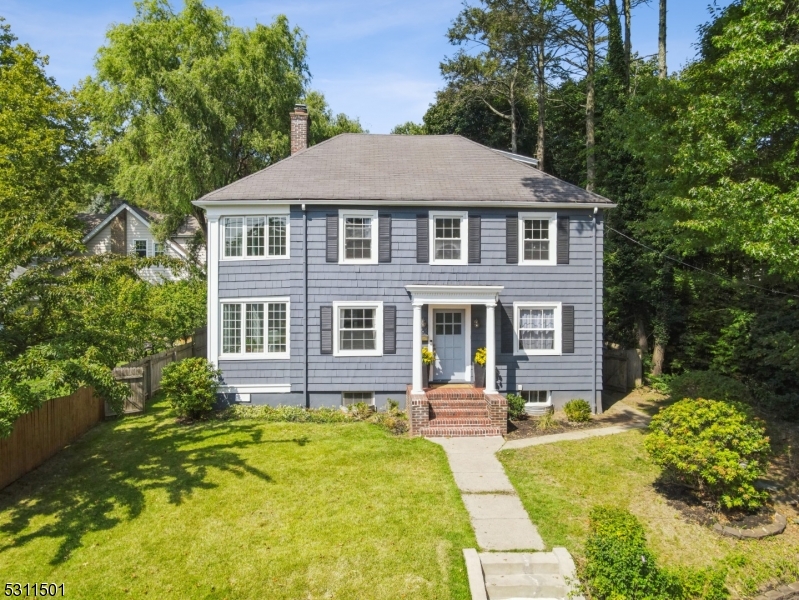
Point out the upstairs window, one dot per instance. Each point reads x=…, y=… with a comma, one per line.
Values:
x=449, y=233
x=140, y=248
x=255, y=237
x=158, y=249
x=537, y=232
x=358, y=237
x=255, y=329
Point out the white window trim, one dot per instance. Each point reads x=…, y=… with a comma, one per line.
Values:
x=378, y=351
x=342, y=215
x=557, y=350
x=244, y=256
x=464, y=217
x=146, y=245
x=370, y=403
x=255, y=355
x=547, y=402
x=553, y=237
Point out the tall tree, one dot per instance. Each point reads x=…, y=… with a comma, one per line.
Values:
x=662, y=70
x=47, y=163
x=502, y=69
x=186, y=103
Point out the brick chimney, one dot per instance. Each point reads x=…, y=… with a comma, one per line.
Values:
x=300, y=128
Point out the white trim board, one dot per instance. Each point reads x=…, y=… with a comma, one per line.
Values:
x=226, y=206
x=461, y=295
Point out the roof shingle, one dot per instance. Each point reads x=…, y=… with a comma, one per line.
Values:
x=392, y=168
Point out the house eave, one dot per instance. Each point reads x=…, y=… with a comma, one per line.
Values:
x=222, y=204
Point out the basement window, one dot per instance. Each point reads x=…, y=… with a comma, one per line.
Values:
x=350, y=398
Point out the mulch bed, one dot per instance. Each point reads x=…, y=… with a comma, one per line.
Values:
x=703, y=512
x=527, y=428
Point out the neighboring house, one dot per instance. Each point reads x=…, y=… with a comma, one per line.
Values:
x=127, y=230
x=329, y=270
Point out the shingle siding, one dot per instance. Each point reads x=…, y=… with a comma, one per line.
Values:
x=329, y=282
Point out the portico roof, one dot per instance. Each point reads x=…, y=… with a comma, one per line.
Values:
x=454, y=294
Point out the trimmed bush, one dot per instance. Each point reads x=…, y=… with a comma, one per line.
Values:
x=707, y=384
x=620, y=566
x=717, y=448
x=515, y=407
x=190, y=386
x=618, y=563
x=577, y=411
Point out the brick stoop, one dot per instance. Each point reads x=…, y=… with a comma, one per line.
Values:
x=455, y=412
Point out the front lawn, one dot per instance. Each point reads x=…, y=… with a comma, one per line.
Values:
x=147, y=508
x=559, y=483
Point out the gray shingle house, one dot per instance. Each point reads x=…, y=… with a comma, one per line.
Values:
x=330, y=270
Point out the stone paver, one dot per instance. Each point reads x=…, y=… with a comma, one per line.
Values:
x=499, y=519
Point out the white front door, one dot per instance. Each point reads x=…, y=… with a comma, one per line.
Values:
x=449, y=337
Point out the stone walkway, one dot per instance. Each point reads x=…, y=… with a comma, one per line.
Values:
x=506, y=568
x=569, y=435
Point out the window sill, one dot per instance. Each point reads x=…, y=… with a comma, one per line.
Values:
x=241, y=258
x=537, y=263
x=255, y=356
x=538, y=353
x=353, y=261
x=357, y=353
x=448, y=263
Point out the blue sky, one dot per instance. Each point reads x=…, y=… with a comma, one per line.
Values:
x=375, y=60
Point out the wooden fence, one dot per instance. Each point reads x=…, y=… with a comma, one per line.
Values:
x=40, y=434
x=622, y=369
x=144, y=376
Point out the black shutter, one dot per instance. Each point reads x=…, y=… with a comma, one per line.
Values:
x=422, y=239
x=512, y=239
x=332, y=238
x=389, y=330
x=563, y=240
x=506, y=328
x=384, y=239
x=326, y=320
x=567, y=327
x=474, y=239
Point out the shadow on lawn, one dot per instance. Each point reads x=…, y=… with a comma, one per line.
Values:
x=101, y=481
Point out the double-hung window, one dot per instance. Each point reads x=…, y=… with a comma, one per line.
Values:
x=158, y=249
x=358, y=329
x=358, y=237
x=255, y=237
x=537, y=328
x=255, y=328
x=140, y=248
x=449, y=233
x=538, y=237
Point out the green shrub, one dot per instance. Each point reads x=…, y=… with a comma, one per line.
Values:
x=190, y=386
x=515, y=407
x=393, y=420
x=717, y=448
x=547, y=422
x=577, y=411
x=707, y=384
x=620, y=566
x=360, y=411
x=288, y=414
x=618, y=563
x=660, y=383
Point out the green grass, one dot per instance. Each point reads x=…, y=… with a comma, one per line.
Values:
x=559, y=483
x=147, y=508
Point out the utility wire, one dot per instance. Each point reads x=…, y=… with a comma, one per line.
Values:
x=678, y=261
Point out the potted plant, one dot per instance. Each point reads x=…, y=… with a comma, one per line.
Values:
x=480, y=368
x=428, y=358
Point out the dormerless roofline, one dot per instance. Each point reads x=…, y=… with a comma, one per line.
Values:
x=475, y=203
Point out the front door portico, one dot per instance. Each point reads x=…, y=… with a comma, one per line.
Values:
x=448, y=301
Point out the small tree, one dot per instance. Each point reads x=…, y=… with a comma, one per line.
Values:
x=190, y=386
x=717, y=448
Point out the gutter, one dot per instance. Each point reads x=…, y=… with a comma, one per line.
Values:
x=305, y=305
x=245, y=203
x=597, y=404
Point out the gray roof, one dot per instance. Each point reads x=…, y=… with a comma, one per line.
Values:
x=91, y=220
x=403, y=168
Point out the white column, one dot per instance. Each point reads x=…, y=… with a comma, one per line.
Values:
x=491, y=351
x=416, y=352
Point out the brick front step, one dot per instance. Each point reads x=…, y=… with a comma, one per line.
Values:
x=471, y=403
x=455, y=394
x=459, y=431
x=470, y=421
x=458, y=412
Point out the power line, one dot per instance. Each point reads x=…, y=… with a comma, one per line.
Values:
x=685, y=264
